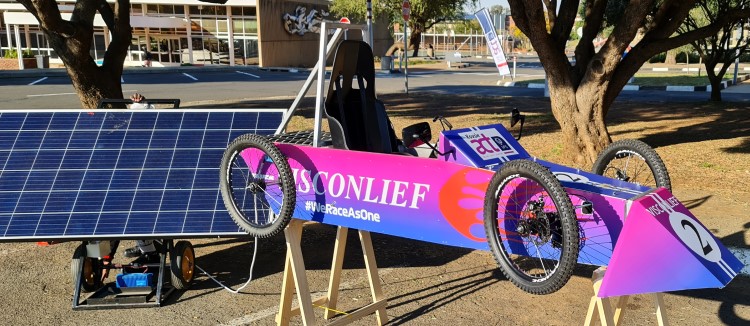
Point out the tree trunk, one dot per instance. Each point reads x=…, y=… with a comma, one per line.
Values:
x=716, y=89
x=415, y=39
x=72, y=39
x=93, y=84
x=580, y=114
x=90, y=81
x=671, y=57
x=715, y=80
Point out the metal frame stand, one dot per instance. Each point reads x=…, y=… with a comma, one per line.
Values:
x=319, y=73
x=611, y=315
x=101, y=298
x=295, y=279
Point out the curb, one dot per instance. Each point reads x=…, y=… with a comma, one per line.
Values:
x=689, y=69
x=669, y=88
x=61, y=72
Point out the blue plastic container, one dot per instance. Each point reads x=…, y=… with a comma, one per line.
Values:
x=135, y=280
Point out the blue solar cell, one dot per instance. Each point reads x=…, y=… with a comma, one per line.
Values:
x=118, y=174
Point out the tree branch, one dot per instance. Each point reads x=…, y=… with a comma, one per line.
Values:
x=593, y=18
x=655, y=46
x=669, y=17
x=107, y=15
x=48, y=15
x=563, y=23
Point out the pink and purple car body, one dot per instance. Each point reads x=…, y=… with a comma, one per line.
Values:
x=648, y=239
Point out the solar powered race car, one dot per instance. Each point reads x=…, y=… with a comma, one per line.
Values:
x=476, y=188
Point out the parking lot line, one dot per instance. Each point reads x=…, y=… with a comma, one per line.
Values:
x=189, y=76
x=247, y=73
x=37, y=81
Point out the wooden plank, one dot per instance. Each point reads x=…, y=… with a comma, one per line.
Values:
x=317, y=302
x=372, y=274
x=336, y=267
x=293, y=234
x=360, y=313
x=620, y=308
x=661, y=316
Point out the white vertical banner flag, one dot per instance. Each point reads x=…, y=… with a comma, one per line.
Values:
x=493, y=41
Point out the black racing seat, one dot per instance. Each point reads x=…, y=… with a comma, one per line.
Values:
x=357, y=119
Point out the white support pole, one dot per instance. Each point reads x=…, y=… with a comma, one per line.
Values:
x=18, y=47
x=370, y=36
x=230, y=30
x=7, y=33
x=308, y=83
x=406, y=57
x=27, y=36
x=321, y=83
x=189, y=36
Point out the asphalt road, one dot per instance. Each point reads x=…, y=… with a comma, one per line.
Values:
x=196, y=86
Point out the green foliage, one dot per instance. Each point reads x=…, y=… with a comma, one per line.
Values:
x=13, y=54
x=498, y=10
x=424, y=13
x=614, y=11
x=10, y=54
x=681, y=57
x=721, y=49
x=659, y=58
x=467, y=26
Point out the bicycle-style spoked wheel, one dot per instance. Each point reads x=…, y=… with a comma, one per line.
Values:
x=531, y=227
x=633, y=161
x=257, y=185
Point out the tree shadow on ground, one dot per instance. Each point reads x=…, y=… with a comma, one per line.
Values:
x=703, y=122
x=712, y=121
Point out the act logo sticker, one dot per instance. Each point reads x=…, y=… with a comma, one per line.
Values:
x=488, y=143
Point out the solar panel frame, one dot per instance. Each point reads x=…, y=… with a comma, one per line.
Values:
x=36, y=156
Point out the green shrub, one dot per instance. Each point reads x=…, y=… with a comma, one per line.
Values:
x=682, y=57
x=10, y=54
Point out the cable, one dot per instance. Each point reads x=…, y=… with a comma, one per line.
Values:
x=250, y=278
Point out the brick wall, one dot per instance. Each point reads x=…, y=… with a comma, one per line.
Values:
x=12, y=64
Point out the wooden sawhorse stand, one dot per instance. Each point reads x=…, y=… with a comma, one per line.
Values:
x=603, y=306
x=295, y=278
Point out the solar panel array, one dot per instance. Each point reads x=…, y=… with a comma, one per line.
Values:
x=120, y=174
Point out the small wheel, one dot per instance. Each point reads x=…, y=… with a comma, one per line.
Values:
x=632, y=161
x=257, y=186
x=531, y=227
x=90, y=268
x=182, y=264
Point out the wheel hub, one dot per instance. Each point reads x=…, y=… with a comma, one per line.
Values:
x=256, y=185
x=539, y=226
x=621, y=175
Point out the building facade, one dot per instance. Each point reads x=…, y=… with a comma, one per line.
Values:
x=189, y=32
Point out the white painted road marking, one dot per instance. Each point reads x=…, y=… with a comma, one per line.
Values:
x=247, y=73
x=188, y=76
x=37, y=81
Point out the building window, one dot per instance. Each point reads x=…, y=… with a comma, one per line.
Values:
x=166, y=9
